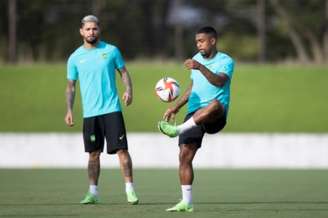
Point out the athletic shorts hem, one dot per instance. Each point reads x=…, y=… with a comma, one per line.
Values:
x=195, y=135
x=108, y=126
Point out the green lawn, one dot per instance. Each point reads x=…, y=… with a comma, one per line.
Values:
x=217, y=193
x=265, y=98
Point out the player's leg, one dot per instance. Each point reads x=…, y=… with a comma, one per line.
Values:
x=117, y=143
x=126, y=165
x=94, y=170
x=210, y=113
x=186, y=171
x=127, y=172
x=186, y=175
x=93, y=142
x=186, y=156
x=189, y=142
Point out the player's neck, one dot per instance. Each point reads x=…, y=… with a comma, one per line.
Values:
x=211, y=54
x=88, y=45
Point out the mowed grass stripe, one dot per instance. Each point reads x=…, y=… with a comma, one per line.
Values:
x=217, y=193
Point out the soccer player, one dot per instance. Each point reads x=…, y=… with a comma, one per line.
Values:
x=94, y=65
x=208, y=97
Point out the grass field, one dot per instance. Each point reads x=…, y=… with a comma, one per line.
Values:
x=217, y=193
x=265, y=98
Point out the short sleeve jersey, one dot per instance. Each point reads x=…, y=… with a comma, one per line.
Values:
x=203, y=92
x=95, y=69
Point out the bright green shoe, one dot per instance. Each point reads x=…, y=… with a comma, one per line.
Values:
x=132, y=198
x=89, y=199
x=168, y=129
x=181, y=207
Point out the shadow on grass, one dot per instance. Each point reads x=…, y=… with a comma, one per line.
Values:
x=82, y=205
x=40, y=215
x=274, y=206
x=262, y=202
x=169, y=203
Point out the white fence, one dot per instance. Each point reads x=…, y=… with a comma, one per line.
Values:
x=155, y=150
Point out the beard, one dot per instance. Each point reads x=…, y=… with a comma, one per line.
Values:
x=208, y=54
x=204, y=53
x=91, y=40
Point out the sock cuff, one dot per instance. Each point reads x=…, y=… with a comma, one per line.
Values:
x=186, y=187
x=129, y=186
x=93, y=189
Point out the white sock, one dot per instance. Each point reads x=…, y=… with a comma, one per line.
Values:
x=186, y=193
x=186, y=125
x=93, y=189
x=129, y=187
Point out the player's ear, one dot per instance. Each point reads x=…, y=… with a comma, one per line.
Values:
x=213, y=41
x=81, y=31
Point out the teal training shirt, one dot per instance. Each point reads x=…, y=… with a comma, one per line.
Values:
x=203, y=92
x=95, y=69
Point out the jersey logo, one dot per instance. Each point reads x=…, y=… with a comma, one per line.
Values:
x=82, y=61
x=104, y=55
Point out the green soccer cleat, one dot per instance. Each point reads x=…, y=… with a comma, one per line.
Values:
x=89, y=199
x=168, y=129
x=181, y=207
x=132, y=198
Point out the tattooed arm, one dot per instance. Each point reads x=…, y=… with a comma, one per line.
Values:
x=128, y=94
x=70, y=95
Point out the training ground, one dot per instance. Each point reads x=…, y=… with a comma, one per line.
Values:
x=270, y=160
x=236, y=175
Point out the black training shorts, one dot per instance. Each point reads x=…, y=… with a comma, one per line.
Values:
x=110, y=126
x=195, y=135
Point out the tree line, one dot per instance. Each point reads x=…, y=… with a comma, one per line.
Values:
x=249, y=30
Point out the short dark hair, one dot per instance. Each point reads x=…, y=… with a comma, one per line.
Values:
x=208, y=30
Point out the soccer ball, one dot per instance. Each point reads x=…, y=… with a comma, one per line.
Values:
x=167, y=89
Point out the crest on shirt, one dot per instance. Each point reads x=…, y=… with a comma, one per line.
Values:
x=104, y=55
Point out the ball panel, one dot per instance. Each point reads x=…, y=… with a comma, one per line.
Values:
x=167, y=89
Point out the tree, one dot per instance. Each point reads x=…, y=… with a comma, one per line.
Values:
x=12, y=40
x=325, y=39
x=178, y=31
x=97, y=6
x=261, y=29
x=306, y=27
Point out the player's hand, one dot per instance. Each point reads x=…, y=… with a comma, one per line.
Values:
x=69, y=119
x=169, y=114
x=192, y=64
x=127, y=98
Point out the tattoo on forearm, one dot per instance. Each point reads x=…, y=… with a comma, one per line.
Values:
x=127, y=81
x=70, y=95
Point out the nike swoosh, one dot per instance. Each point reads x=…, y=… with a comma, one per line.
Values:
x=121, y=137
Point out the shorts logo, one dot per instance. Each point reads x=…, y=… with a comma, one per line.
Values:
x=93, y=138
x=121, y=137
